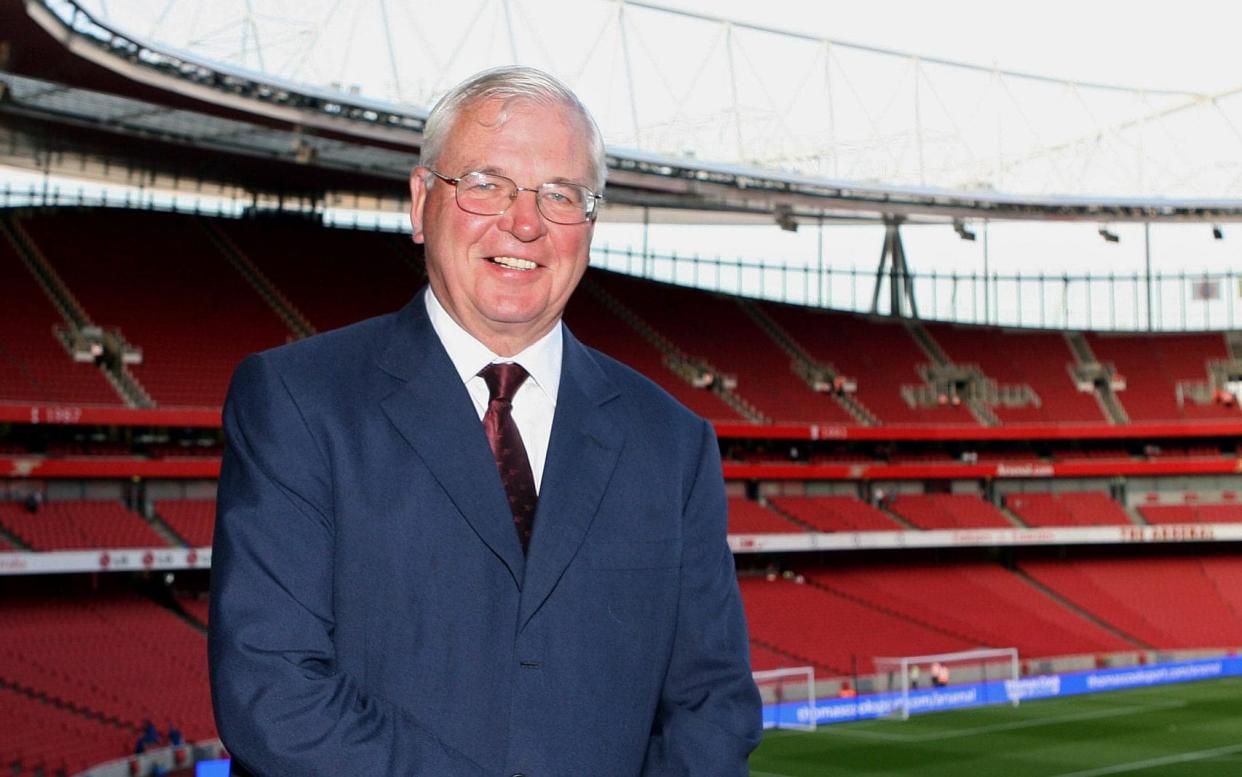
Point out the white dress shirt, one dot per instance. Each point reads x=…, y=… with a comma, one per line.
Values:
x=535, y=402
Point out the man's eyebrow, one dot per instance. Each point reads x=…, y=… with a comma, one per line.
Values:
x=476, y=167
x=494, y=170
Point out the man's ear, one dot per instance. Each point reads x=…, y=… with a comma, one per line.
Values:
x=418, y=199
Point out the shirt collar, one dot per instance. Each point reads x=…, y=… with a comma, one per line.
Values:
x=541, y=359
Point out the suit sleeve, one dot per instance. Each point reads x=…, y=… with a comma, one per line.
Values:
x=282, y=708
x=710, y=718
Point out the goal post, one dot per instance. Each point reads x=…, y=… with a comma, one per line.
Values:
x=788, y=697
x=915, y=679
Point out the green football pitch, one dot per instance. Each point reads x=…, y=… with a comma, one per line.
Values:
x=1189, y=730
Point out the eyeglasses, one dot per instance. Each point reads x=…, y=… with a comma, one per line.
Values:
x=486, y=194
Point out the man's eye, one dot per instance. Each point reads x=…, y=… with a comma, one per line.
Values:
x=563, y=196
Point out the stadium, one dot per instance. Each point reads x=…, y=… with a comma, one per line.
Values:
x=983, y=505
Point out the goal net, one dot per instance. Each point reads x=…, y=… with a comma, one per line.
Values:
x=788, y=697
x=926, y=683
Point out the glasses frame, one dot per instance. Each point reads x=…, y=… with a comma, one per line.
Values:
x=592, y=202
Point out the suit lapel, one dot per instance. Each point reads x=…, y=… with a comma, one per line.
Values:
x=433, y=413
x=582, y=453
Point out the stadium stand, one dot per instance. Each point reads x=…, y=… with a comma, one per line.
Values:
x=748, y=517
x=922, y=457
x=765, y=658
x=93, y=449
x=1225, y=572
x=34, y=366
x=949, y=511
x=1219, y=513
x=880, y=354
x=1040, y=360
x=184, y=451
x=1015, y=455
x=835, y=513
x=1183, y=451
x=597, y=326
x=1153, y=365
x=830, y=630
x=196, y=607
x=981, y=602
x=836, y=618
x=192, y=519
x=81, y=668
x=1168, y=602
x=41, y=737
x=194, y=318
x=1191, y=513
x=765, y=378
x=79, y=524
x=115, y=656
x=1106, y=453
x=303, y=260
x=1068, y=508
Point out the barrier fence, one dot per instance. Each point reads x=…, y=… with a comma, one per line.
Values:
x=1157, y=301
x=1160, y=301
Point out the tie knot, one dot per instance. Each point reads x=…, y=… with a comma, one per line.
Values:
x=503, y=380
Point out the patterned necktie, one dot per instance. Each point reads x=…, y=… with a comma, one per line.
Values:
x=503, y=381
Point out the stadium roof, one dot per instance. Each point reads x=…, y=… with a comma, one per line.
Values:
x=81, y=97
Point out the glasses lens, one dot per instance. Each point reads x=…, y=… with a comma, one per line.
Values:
x=485, y=195
x=565, y=203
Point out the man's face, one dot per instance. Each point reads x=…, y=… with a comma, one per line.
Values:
x=506, y=308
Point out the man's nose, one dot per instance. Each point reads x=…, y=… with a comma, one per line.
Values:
x=523, y=219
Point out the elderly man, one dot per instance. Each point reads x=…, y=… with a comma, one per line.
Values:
x=453, y=541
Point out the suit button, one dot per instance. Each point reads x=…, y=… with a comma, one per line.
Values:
x=519, y=774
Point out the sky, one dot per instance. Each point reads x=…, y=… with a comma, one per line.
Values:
x=1190, y=46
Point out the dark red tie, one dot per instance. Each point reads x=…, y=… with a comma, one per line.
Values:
x=503, y=381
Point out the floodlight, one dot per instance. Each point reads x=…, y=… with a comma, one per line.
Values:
x=1217, y=232
x=785, y=218
x=1109, y=235
x=959, y=227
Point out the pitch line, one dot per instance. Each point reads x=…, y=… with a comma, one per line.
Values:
x=1010, y=726
x=1151, y=763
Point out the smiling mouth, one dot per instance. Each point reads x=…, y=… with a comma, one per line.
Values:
x=513, y=262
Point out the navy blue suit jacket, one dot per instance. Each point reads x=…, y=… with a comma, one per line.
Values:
x=373, y=612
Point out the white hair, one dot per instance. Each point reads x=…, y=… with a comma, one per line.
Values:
x=509, y=83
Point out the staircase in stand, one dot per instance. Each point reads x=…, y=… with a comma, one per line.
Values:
x=13, y=540
x=685, y=367
x=804, y=366
x=62, y=299
x=796, y=658
x=926, y=623
x=1012, y=517
x=1089, y=368
x=161, y=527
x=278, y=302
x=941, y=362
x=127, y=387
x=1079, y=611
